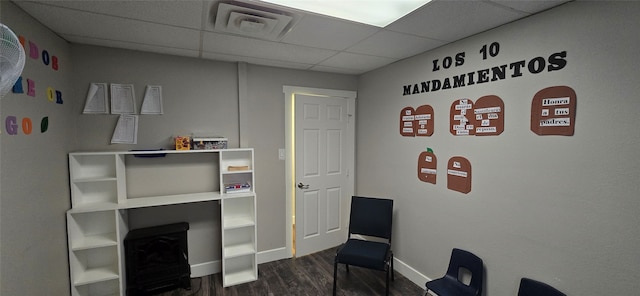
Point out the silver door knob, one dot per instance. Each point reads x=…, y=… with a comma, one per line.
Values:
x=302, y=186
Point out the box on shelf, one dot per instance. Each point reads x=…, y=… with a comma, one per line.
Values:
x=183, y=143
x=235, y=168
x=237, y=188
x=208, y=143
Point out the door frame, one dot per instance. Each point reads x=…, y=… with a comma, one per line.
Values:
x=289, y=97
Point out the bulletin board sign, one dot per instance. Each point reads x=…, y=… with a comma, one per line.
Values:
x=462, y=121
x=424, y=121
x=407, y=122
x=553, y=111
x=416, y=122
x=489, y=114
x=459, y=174
x=427, y=164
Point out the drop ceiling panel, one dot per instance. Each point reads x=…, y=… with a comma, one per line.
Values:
x=328, y=33
x=248, y=47
x=453, y=20
x=182, y=13
x=356, y=61
x=394, y=45
x=133, y=46
x=99, y=26
x=337, y=70
x=529, y=5
x=257, y=61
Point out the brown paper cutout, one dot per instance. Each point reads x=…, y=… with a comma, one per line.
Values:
x=427, y=164
x=424, y=121
x=489, y=115
x=462, y=121
x=407, y=122
x=459, y=174
x=553, y=111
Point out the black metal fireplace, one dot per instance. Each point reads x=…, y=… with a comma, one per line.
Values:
x=156, y=259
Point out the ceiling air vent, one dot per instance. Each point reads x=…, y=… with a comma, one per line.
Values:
x=251, y=22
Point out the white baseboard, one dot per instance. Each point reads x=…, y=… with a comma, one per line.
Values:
x=273, y=255
x=207, y=268
x=410, y=273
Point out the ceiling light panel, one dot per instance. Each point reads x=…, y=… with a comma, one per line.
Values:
x=379, y=13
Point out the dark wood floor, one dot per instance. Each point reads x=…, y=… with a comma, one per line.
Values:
x=308, y=275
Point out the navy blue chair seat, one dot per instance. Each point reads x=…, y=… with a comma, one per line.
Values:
x=451, y=286
x=367, y=254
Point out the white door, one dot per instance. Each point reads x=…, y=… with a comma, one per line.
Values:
x=324, y=143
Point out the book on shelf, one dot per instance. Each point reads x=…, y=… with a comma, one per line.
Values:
x=233, y=168
x=237, y=187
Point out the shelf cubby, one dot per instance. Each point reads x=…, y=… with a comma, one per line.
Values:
x=238, y=212
x=236, y=159
x=92, y=230
x=92, y=166
x=94, y=265
x=92, y=192
x=104, y=288
x=239, y=241
x=239, y=270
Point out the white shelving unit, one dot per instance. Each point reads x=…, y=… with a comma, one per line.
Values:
x=97, y=222
x=238, y=220
x=238, y=240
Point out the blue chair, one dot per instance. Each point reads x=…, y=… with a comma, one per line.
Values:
x=451, y=284
x=370, y=217
x=529, y=287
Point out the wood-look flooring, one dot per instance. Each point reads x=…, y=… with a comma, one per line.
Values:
x=310, y=275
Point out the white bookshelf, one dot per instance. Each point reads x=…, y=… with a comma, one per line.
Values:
x=238, y=220
x=100, y=195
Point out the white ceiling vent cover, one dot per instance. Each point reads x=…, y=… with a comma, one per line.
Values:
x=251, y=22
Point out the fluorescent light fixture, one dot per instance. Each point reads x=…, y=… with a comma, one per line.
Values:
x=379, y=13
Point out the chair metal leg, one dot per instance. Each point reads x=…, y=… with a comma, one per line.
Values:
x=387, y=276
x=392, y=275
x=335, y=276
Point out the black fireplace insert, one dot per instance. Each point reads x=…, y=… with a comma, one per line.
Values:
x=157, y=260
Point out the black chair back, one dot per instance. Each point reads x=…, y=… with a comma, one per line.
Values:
x=465, y=259
x=529, y=287
x=371, y=217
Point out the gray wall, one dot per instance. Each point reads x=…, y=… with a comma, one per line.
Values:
x=560, y=209
x=199, y=96
x=34, y=189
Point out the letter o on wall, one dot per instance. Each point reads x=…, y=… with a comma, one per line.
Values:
x=536, y=65
x=27, y=126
